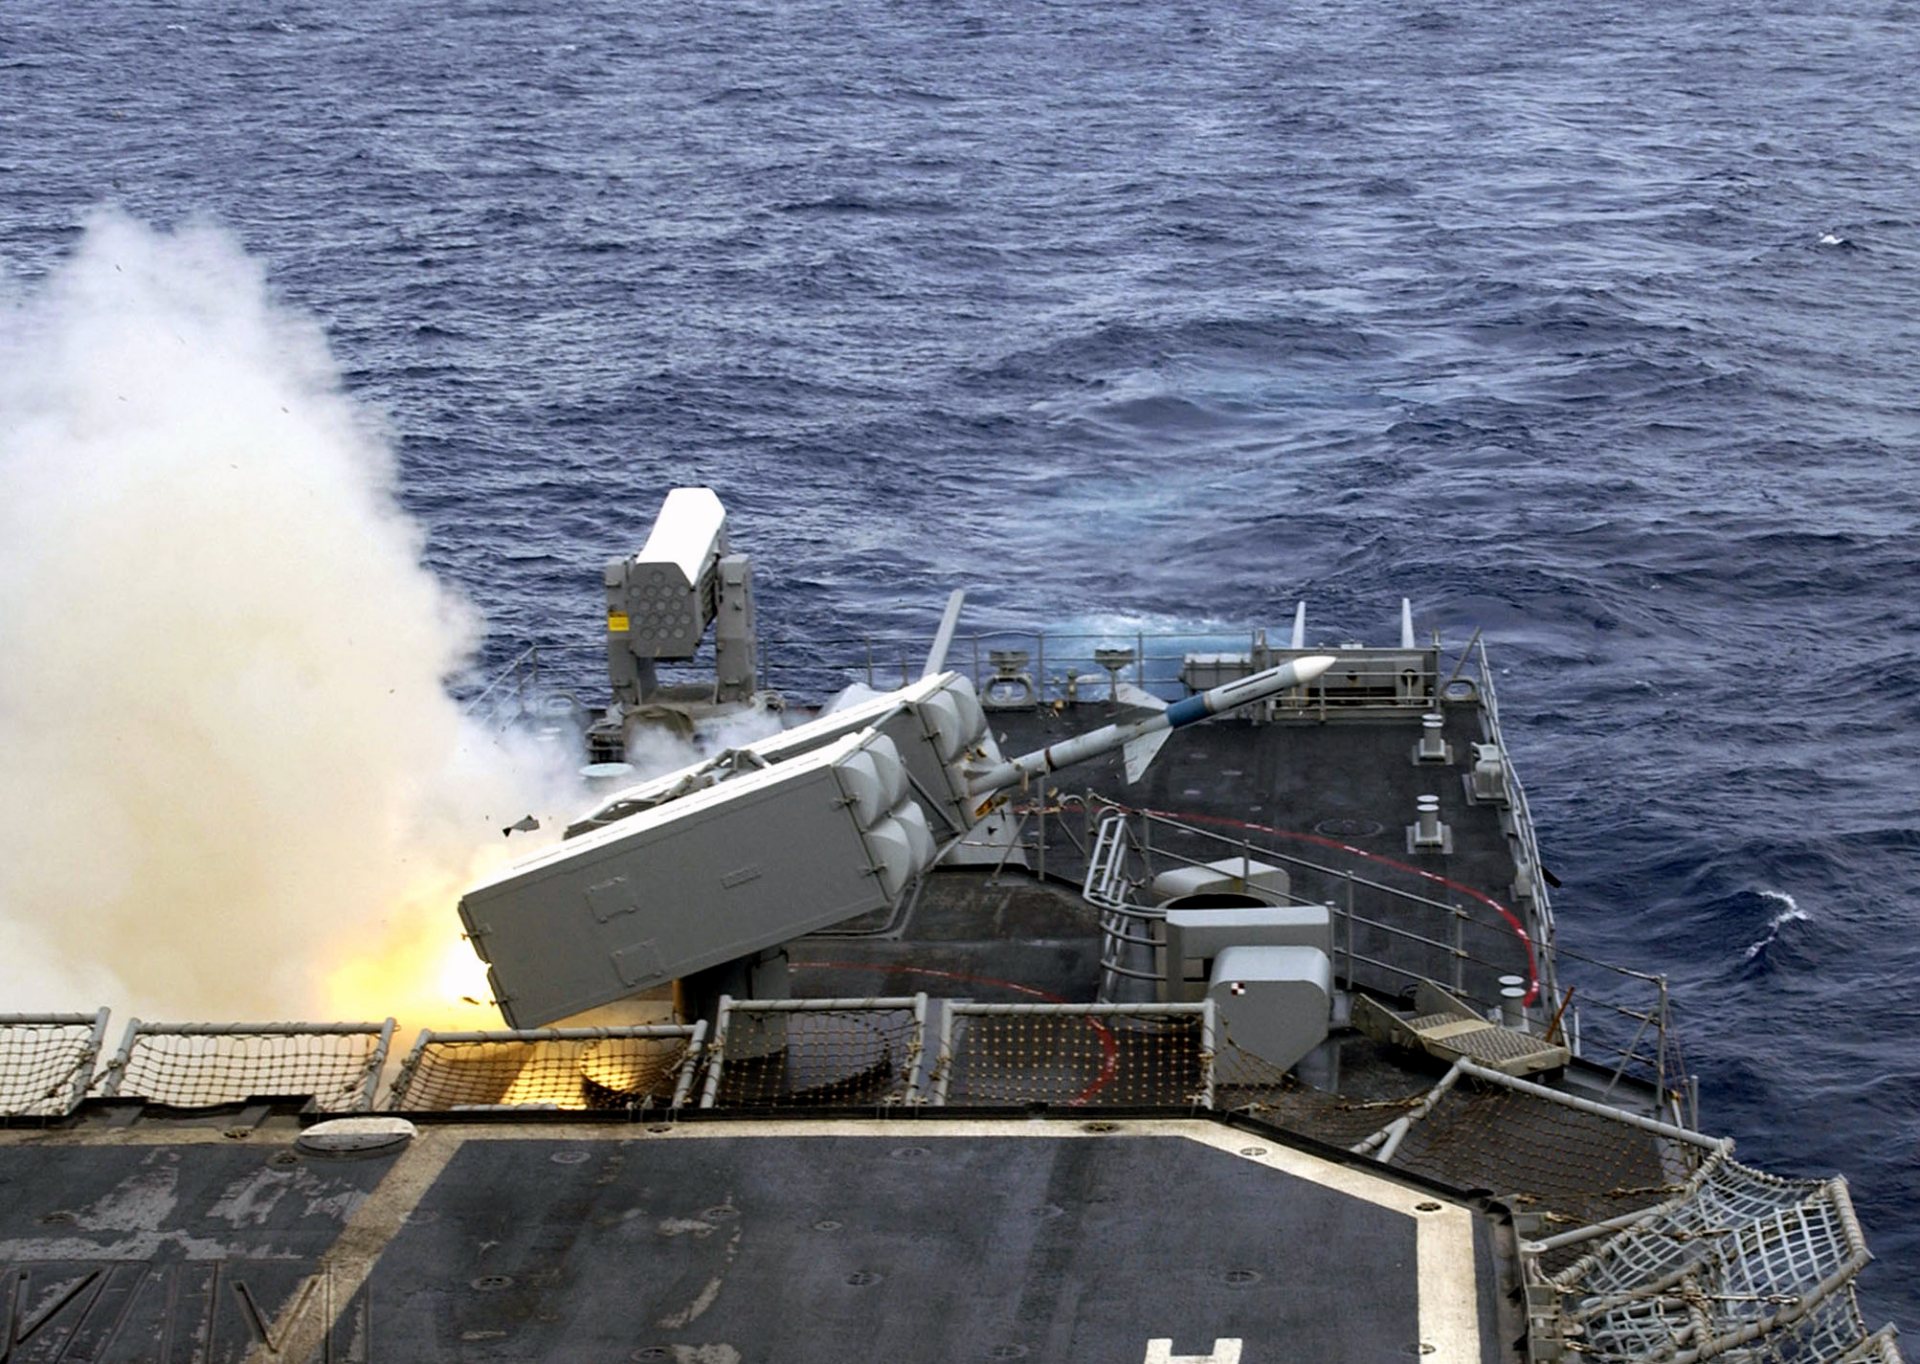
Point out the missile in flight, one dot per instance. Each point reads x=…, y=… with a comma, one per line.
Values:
x=1141, y=739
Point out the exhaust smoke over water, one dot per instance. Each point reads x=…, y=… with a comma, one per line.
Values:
x=234, y=784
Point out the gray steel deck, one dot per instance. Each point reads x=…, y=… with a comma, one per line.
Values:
x=923, y=1240
x=1339, y=792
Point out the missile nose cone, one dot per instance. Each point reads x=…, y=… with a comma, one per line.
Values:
x=1310, y=667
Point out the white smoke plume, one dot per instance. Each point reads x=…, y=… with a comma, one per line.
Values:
x=232, y=784
x=655, y=751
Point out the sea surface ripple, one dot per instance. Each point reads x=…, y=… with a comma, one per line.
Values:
x=1593, y=327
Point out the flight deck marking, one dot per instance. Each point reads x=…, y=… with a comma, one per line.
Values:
x=133, y=1312
x=1226, y=1350
x=1447, y=1273
x=1448, y=1307
x=1448, y=1278
x=348, y=1263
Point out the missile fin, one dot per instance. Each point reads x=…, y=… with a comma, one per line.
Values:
x=1141, y=752
x=1129, y=695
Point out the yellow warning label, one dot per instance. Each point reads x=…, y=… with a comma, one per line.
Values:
x=616, y=622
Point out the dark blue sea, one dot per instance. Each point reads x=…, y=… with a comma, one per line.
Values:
x=1594, y=327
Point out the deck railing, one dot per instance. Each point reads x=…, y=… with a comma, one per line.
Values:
x=511, y=692
x=628, y=1068
x=1632, y=1009
x=1058, y=666
x=1154, y=840
x=47, y=1062
x=196, y=1065
x=1522, y=812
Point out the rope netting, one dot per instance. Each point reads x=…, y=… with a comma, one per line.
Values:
x=1576, y=1167
x=46, y=1062
x=1832, y=1332
x=196, y=1066
x=815, y=1054
x=1075, y=1055
x=637, y=1067
x=1744, y=1266
x=1249, y=1085
x=1572, y=1166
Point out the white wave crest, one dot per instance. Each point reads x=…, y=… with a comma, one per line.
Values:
x=1789, y=913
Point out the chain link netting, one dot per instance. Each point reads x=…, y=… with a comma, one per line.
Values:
x=612, y=1069
x=1074, y=1057
x=46, y=1062
x=186, y=1067
x=857, y=1055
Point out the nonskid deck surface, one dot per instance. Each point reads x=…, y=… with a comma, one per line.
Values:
x=791, y=1241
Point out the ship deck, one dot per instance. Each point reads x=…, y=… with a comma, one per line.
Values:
x=721, y=1241
x=1008, y=936
x=1329, y=798
x=893, y=1164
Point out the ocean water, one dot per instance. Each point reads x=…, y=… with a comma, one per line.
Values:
x=1594, y=328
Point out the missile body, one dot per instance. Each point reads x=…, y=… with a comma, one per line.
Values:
x=1142, y=738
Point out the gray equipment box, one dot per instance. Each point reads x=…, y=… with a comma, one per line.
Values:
x=1231, y=876
x=707, y=878
x=1271, y=1002
x=1196, y=938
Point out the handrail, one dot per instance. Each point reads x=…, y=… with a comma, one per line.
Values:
x=1113, y=920
x=1346, y=875
x=1659, y=1059
x=522, y=672
x=1062, y=664
x=1665, y=1061
x=1523, y=820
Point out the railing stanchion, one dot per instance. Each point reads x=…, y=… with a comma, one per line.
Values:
x=1660, y=1042
x=1350, y=928
x=1040, y=838
x=1459, y=950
